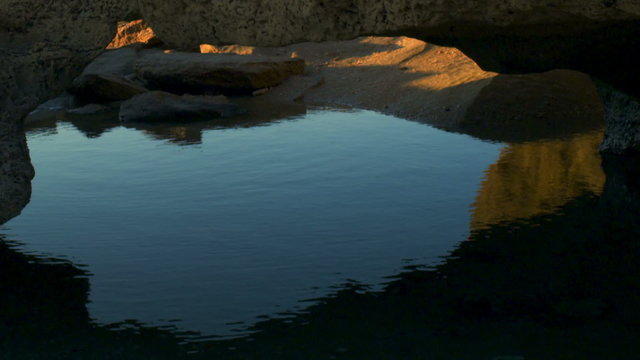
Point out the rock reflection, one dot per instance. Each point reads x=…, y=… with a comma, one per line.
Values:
x=260, y=111
x=536, y=178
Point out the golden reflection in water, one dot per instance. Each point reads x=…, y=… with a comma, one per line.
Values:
x=537, y=177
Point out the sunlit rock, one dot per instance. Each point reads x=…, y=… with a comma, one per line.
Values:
x=133, y=32
x=226, y=49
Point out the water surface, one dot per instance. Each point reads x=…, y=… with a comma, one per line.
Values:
x=248, y=221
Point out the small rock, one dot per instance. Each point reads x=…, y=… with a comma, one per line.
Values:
x=133, y=32
x=159, y=106
x=51, y=109
x=104, y=88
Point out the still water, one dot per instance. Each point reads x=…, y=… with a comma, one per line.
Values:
x=251, y=220
x=324, y=235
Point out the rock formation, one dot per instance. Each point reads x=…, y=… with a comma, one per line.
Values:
x=43, y=53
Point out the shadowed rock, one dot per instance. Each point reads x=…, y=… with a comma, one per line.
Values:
x=104, y=88
x=227, y=73
x=158, y=106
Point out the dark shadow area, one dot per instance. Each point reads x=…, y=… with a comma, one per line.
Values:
x=43, y=315
x=608, y=51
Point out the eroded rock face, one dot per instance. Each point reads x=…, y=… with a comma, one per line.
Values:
x=190, y=23
x=44, y=45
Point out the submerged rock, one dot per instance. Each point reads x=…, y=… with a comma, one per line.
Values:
x=158, y=106
x=104, y=88
x=227, y=73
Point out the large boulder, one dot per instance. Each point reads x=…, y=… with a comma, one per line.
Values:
x=227, y=73
x=158, y=106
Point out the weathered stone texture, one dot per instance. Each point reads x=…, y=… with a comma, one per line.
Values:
x=280, y=22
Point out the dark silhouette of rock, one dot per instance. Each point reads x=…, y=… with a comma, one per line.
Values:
x=158, y=106
x=104, y=88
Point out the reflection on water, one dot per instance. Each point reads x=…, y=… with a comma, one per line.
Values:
x=551, y=271
x=260, y=111
x=538, y=177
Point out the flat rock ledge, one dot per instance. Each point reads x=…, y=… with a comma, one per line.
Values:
x=159, y=106
x=226, y=73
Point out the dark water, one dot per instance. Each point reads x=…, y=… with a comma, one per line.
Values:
x=412, y=243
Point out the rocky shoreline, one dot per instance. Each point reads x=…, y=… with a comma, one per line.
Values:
x=44, y=47
x=399, y=76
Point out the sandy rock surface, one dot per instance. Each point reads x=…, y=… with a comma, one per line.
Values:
x=442, y=87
